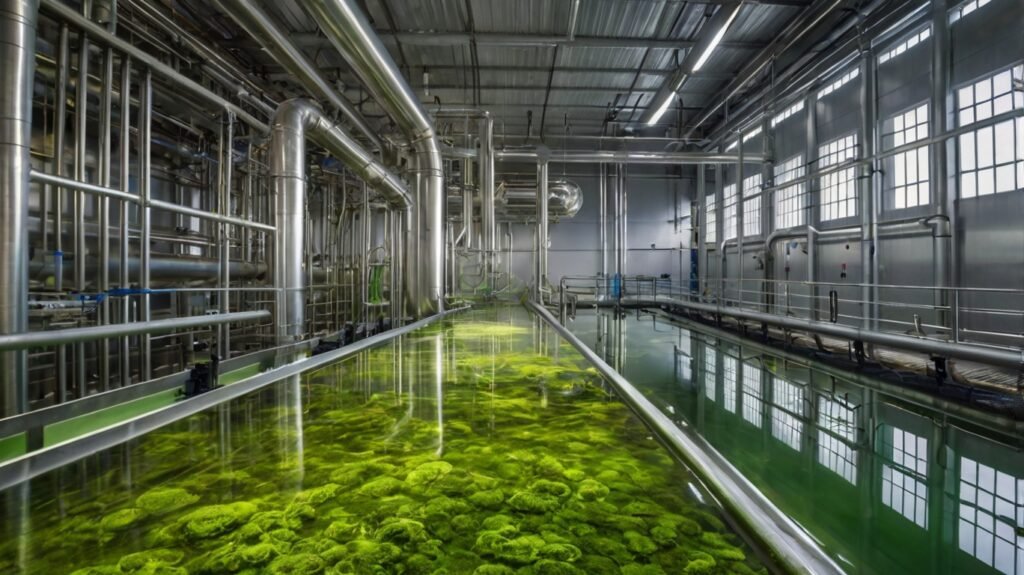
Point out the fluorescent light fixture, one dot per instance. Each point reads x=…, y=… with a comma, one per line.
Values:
x=718, y=38
x=661, y=109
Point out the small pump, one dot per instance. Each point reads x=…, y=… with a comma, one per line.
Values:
x=202, y=377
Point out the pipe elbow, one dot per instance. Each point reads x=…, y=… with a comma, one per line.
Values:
x=940, y=225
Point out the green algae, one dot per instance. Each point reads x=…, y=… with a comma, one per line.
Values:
x=534, y=469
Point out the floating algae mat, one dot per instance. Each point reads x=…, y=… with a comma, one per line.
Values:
x=481, y=444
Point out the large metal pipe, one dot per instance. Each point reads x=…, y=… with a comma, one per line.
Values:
x=351, y=34
x=623, y=157
x=161, y=268
x=939, y=106
x=261, y=27
x=102, y=35
x=565, y=198
x=541, y=275
x=602, y=218
x=17, y=64
x=49, y=338
x=292, y=123
x=145, y=214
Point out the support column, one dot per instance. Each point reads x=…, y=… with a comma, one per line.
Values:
x=17, y=67
x=145, y=123
x=702, y=232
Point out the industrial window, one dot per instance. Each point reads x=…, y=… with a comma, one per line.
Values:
x=991, y=508
x=781, y=116
x=729, y=212
x=752, y=206
x=838, y=188
x=906, y=180
x=837, y=430
x=710, y=219
x=992, y=158
x=903, y=483
x=965, y=9
x=746, y=138
x=788, y=400
x=710, y=370
x=729, y=383
x=752, y=402
x=907, y=44
x=839, y=83
x=789, y=200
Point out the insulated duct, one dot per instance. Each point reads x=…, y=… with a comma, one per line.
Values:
x=293, y=122
x=17, y=68
x=565, y=198
x=351, y=34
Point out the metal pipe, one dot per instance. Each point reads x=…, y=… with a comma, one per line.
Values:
x=602, y=217
x=224, y=207
x=467, y=204
x=622, y=157
x=488, y=222
x=17, y=62
x=60, y=127
x=293, y=121
x=106, y=113
x=565, y=198
x=621, y=216
x=868, y=213
x=49, y=338
x=789, y=543
x=163, y=268
x=66, y=13
x=349, y=31
x=128, y=197
x=145, y=129
x=261, y=27
x=1013, y=359
x=541, y=274
x=124, y=355
x=939, y=107
x=78, y=200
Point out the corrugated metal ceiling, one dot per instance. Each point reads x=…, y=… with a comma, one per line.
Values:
x=522, y=48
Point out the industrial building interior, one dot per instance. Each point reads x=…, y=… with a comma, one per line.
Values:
x=535, y=287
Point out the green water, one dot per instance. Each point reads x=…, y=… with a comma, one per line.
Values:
x=481, y=444
x=884, y=485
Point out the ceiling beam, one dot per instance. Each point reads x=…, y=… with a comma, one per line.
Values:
x=542, y=88
x=332, y=71
x=427, y=38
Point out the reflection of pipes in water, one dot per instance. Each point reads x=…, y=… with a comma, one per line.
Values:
x=439, y=388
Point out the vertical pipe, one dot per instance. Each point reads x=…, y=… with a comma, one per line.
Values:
x=145, y=124
x=740, y=221
x=810, y=213
x=467, y=203
x=768, y=204
x=124, y=144
x=602, y=218
x=486, y=185
x=623, y=215
x=17, y=67
x=224, y=204
x=945, y=206
x=720, y=228
x=364, y=256
x=81, y=174
x=60, y=127
x=541, y=274
x=702, y=232
x=106, y=102
x=868, y=215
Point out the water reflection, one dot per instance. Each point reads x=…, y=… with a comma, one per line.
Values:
x=884, y=484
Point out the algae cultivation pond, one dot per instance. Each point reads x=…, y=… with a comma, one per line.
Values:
x=481, y=444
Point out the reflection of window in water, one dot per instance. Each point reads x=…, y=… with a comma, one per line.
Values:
x=991, y=508
x=837, y=423
x=903, y=482
x=752, y=394
x=788, y=400
x=710, y=370
x=729, y=383
x=683, y=357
